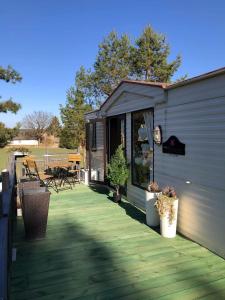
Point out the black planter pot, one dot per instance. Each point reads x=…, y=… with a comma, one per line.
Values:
x=35, y=205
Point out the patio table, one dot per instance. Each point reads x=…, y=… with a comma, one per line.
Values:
x=59, y=164
x=61, y=171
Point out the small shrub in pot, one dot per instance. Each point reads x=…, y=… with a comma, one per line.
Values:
x=118, y=172
x=167, y=207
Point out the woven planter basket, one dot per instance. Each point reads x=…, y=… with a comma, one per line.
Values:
x=35, y=205
x=27, y=185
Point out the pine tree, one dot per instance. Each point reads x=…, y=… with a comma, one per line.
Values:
x=9, y=75
x=7, y=134
x=118, y=59
x=112, y=65
x=54, y=128
x=85, y=82
x=72, y=116
x=112, y=62
x=150, y=55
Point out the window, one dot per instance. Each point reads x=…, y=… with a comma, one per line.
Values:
x=142, y=148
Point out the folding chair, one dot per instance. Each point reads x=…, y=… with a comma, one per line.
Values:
x=75, y=172
x=47, y=180
x=60, y=169
x=28, y=172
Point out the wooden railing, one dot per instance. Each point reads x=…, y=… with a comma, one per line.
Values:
x=7, y=216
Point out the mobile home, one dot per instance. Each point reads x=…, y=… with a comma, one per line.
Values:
x=173, y=134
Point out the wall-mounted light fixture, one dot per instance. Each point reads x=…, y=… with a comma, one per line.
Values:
x=157, y=135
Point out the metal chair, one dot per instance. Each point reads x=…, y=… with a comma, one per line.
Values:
x=60, y=170
x=28, y=172
x=47, y=180
x=75, y=158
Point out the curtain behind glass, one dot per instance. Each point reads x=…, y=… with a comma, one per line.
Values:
x=148, y=117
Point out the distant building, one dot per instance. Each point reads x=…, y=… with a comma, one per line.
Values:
x=27, y=142
x=26, y=138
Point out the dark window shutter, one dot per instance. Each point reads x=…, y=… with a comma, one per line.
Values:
x=87, y=131
x=93, y=137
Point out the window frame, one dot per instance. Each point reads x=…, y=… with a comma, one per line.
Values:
x=132, y=150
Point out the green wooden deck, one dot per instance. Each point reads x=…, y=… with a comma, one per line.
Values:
x=96, y=249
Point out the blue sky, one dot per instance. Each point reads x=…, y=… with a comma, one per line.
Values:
x=48, y=40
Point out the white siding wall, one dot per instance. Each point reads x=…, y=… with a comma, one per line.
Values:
x=131, y=97
x=197, y=118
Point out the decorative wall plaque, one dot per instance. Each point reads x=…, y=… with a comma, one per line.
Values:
x=173, y=146
x=157, y=135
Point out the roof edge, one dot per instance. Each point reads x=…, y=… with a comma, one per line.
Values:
x=197, y=78
x=93, y=111
x=149, y=83
x=165, y=86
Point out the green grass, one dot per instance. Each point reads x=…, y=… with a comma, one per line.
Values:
x=96, y=249
x=39, y=152
x=3, y=158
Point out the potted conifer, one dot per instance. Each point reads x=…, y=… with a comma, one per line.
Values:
x=167, y=207
x=152, y=216
x=118, y=172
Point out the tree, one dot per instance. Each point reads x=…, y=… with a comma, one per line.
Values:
x=118, y=59
x=6, y=134
x=118, y=170
x=85, y=82
x=54, y=128
x=112, y=63
x=37, y=122
x=9, y=75
x=150, y=55
x=72, y=115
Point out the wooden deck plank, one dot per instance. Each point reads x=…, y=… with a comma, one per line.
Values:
x=96, y=249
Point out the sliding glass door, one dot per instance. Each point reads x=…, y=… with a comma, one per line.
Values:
x=116, y=134
x=142, y=148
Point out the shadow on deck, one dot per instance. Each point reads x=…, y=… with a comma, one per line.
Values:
x=96, y=250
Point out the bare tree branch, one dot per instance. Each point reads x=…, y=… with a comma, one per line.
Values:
x=37, y=123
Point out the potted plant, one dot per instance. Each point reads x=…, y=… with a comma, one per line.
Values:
x=152, y=216
x=167, y=207
x=118, y=172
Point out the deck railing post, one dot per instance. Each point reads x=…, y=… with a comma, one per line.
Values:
x=5, y=187
x=6, y=222
x=5, y=180
x=1, y=207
